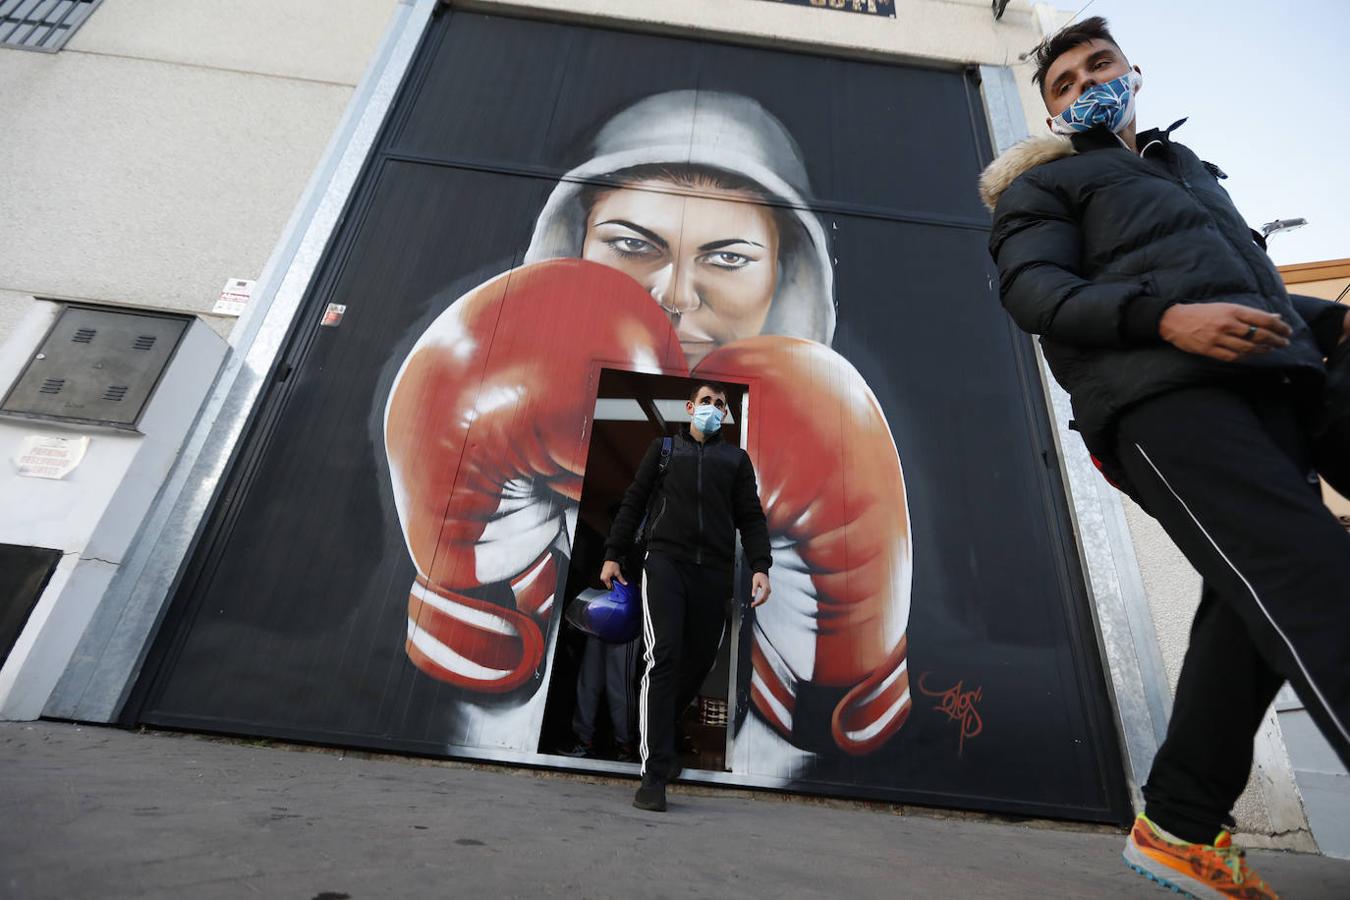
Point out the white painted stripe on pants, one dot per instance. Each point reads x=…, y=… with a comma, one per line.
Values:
x=1331, y=713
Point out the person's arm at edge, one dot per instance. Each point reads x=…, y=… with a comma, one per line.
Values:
x=1326, y=320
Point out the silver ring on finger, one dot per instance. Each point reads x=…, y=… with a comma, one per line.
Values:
x=1251, y=333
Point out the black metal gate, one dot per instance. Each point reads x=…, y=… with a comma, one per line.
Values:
x=536, y=187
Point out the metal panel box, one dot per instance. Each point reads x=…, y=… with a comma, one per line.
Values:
x=96, y=366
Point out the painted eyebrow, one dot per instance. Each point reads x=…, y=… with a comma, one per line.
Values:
x=649, y=235
x=718, y=245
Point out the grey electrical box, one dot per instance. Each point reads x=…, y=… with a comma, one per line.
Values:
x=96, y=366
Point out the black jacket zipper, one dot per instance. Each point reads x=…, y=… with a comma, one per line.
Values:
x=651, y=531
x=1175, y=168
x=698, y=553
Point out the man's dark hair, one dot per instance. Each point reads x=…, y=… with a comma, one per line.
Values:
x=715, y=386
x=1064, y=40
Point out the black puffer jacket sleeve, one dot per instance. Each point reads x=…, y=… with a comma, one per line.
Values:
x=1325, y=318
x=1037, y=244
x=750, y=517
x=623, y=532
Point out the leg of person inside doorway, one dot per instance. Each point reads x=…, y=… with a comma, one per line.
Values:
x=590, y=686
x=620, y=667
x=1227, y=474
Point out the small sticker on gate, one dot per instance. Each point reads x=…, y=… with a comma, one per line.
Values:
x=332, y=316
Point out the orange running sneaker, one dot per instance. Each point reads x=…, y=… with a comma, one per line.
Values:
x=1203, y=871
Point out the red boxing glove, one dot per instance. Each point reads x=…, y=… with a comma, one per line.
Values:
x=487, y=430
x=838, y=521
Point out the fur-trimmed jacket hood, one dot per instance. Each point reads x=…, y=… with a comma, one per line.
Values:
x=1017, y=159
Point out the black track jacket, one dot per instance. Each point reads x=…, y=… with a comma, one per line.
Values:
x=708, y=490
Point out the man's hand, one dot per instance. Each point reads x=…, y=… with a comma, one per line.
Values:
x=759, y=589
x=1223, y=331
x=610, y=571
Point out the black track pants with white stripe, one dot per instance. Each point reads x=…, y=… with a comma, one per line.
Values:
x=686, y=610
x=1227, y=471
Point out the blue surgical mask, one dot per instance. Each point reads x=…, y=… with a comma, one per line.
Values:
x=1110, y=104
x=707, y=418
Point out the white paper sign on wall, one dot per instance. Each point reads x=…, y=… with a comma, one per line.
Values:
x=234, y=297
x=42, y=456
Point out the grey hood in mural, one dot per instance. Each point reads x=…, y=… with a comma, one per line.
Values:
x=727, y=132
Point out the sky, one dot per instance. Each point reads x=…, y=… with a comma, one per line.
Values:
x=1265, y=87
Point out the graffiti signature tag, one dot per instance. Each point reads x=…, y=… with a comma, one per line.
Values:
x=959, y=706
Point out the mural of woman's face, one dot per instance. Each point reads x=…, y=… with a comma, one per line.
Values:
x=710, y=260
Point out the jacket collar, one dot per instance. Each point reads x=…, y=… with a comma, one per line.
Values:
x=1096, y=139
x=1147, y=139
x=1037, y=151
x=707, y=439
x=1102, y=139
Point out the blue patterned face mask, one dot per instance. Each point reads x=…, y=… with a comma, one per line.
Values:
x=1110, y=104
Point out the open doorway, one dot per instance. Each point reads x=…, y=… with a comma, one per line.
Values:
x=592, y=706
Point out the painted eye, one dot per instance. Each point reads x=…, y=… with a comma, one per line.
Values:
x=631, y=246
x=726, y=260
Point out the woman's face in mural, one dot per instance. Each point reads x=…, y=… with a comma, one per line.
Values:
x=710, y=260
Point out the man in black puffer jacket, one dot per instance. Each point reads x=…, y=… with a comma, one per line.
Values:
x=707, y=492
x=1195, y=380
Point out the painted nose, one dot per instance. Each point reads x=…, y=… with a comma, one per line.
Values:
x=675, y=291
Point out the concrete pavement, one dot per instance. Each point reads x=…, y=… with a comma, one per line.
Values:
x=100, y=812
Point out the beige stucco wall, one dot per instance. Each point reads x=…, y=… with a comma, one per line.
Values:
x=317, y=40
x=163, y=150
x=1326, y=288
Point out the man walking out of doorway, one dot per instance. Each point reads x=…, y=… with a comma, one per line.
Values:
x=707, y=490
x=1195, y=379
